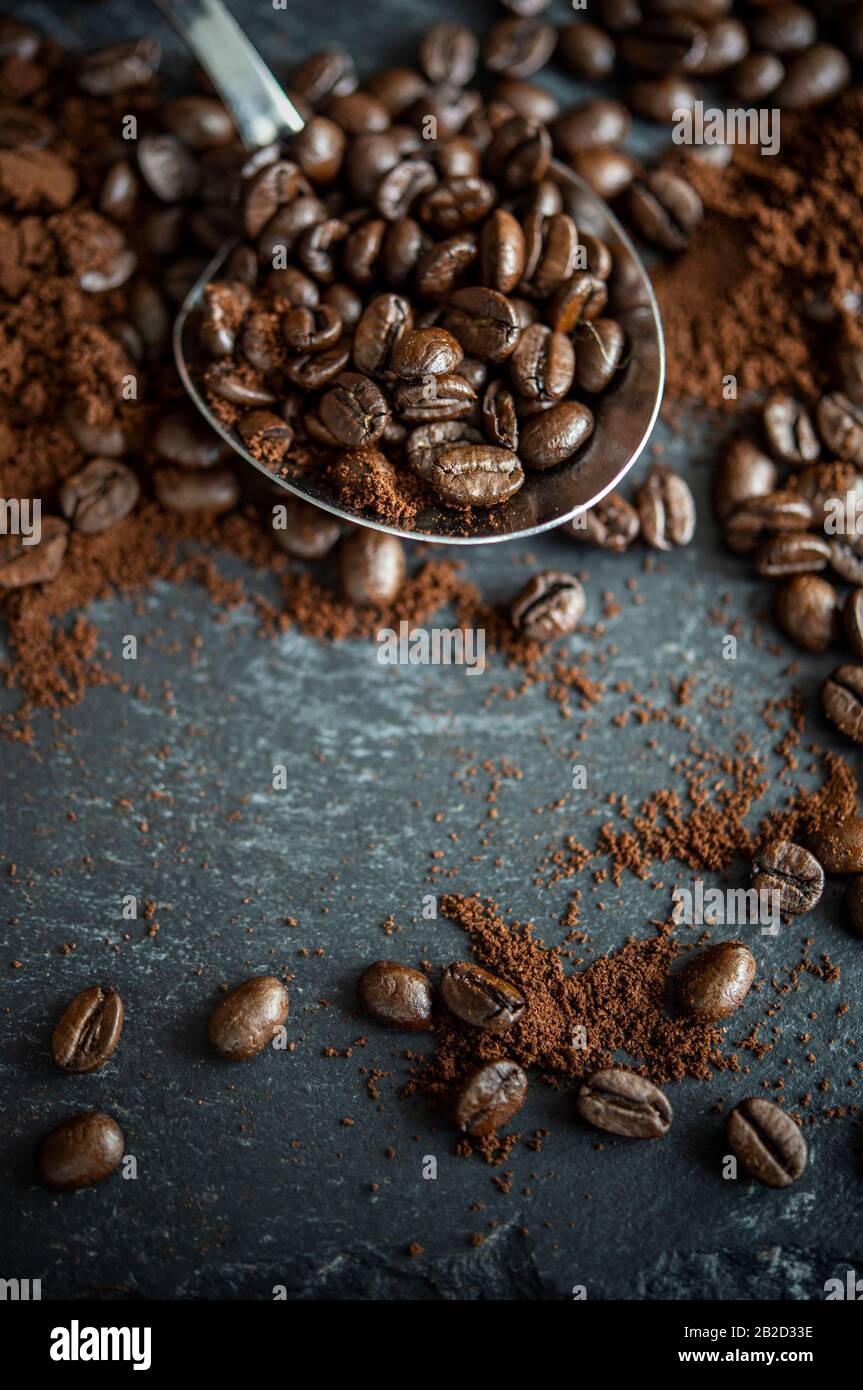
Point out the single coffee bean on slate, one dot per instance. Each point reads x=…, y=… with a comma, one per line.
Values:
x=621, y=1102
x=714, y=983
x=396, y=995
x=852, y=616
x=551, y=605
x=489, y=1098
x=666, y=508
x=248, y=1018
x=791, y=871
x=478, y=997
x=852, y=904
x=88, y=1031
x=102, y=493
x=768, y=514
x=371, y=567
x=182, y=490
x=555, y=435
x=308, y=532
x=841, y=424
x=666, y=209
x=598, y=354
x=839, y=846
x=842, y=701
x=807, y=610
x=767, y=1142
x=796, y=553
x=80, y=1151
x=813, y=77
x=22, y=564
x=182, y=437
x=421, y=352
x=790, y=433
x=613, y=524
x=744, y=472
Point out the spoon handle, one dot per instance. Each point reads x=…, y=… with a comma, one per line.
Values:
x=261, y=110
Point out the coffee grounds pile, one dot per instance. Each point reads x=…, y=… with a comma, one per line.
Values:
x=782, y=240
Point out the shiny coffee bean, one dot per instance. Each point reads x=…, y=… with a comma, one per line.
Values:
x=88, y=1031
x=167, y=168
x=182, y=490
x=456, y=204
x=840, y=422
x=790, y=434
x=358, y=113
x=478, y=997
x=841, y=699
x=807, y=610
x=666, y=509
x=99, y=495
x=182, y=437
x=499, y=417
x=768, y=514
x=483, y=321
x=550, y=606
x=474, y=475
x=593, y=123
x=620, y=1102
x=267, y=436
x=767, y=1142
x=582, y=299
x=445, y=397
x=400, y=189
x=80, y=1151
x=543, y=364
x=846, y=559
x=658, y=98
x=599, y=350
x=354, y=409
x=555, y=435
x=441, y=267
x=248, y=1018
x=715, y=981
x=371, y=567
x=519, y=47
x=383, y=322
x=791, y=871
x=783, y=28
x=613, y=524
x=489, y=1097
x=527, y=99
x=586, y=50
x=308, y=532
x=329, y=72
x=273, y=187
x=449, y=53
x=797, y=553
x=551, y=253
x=852, y=617
x=311, y=330
x=813, y=77
x=201, y=122
x=422, y=352
x=666, y=44
x=757, y=77
x=609, y=172
x=397, y=996
x=727, y=45
x=519, y=154
x=119, y=66
x=666, y=209
x=22, y=564
x=744, y=473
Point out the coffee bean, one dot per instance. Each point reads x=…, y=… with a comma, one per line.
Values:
x=182, y=437
x=841, y=424
x=846, y=559
x=666, y=509
x=167, y=167
x=796, y=553
x=102, y=493
x=791, y=871
x=666, y=209
x=852, y=904
x=586, y=50
x=852, y=615
x=549, y=606
x=598, y=354
x=483, y=321
x=445, y=397
x=593, y=123
x=266, y=436
x=841, y=700
x=201, y=122
x=839, y=846
x=182, y=490
x=783, y=28
x=448, y=53
x=657, y=98
x=399, y=189
x=329, y=72
x=551, y=250
x=727, y=44
x=489, y=1097
x=478, y=997
x=768, y=514
x=22, y=564
x=620, y=1102
x=790, y=434
x=119, y=66
x=441, y=266
x=607, y=171
x=555, y=435
x=475, y=475
x=767, y=1142
x=371, y=567
x=248, y=1018
x=543, y=364
x=714, y=983
x=499, y=418
x=744, y=473
x=383, y=322
x=308, y=533
x=422, y=352
x=813, y=77
x=80, y=1151
x=807, y=610
x=354, y=409
x=582, y=299
x=757, y=77
x=396, y=995
x=501, y=252
x=519, y=47
x=527, y=99
x=519, y=154
x=613, y=524
x=666, y=44
x=88, y=1031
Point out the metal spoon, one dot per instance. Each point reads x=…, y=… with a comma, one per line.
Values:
x=626, y=413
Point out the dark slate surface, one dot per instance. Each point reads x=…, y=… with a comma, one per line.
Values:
x=246, y=1177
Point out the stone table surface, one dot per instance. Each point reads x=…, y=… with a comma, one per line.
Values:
x=246, y=1177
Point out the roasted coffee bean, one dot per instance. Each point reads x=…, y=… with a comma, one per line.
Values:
x=769, y=514
x=839, y=845
x=421, y=352
x=727, y=44
x=666, y=44
x=456, y=204
x=852, y=904
x=850, y=362
x=384, y=321
x=284, y=231
x=613, y=524
x=403, y=246
x=790, y=433
x=362, y=250
x=807, y=610
x=527, y=99
x=607, y=171
x=273, y=187
x=767, y=1142
x=119, y=66
x=267, y=436
x=796, y=553
x=402, y=186
x=545, y=198
x=397, y=88
x=354, y=409
x=88, y=1031
x=317, y=248
x=593, y=123
x=813, y=77
x=308, y=532
x=620, y=1102
x=444, y=397
x=396, y=995
x=841, y=424
x=364, y=475
x=715, y=981
x=102, y=493
x=447, y=105
x=80, y=1151
x=107, y=261
x=299, y=290
x=38, y=563
x=550, y=253
x=474, y=371
x=666, y=209
x=489, y=1097
x=598, y=354
x=151, y=317
x=442, y=265
x=371, y=567
x=201, y=122
x=783, y=28
x=167, y=167
x=555, y=435
x=182, y=437
x=248, y=1018
x=519, y=154
x=499, y=417
x=841, y=699
x=599, y=259
x=658, y=98
x=120, y=187
x=666, y=509
x=457, y=158
x=108, y=440
x=617, y=15
x=319, y=149
x=743, y=474
x=449, y=53
x=311, y=330
x=791, y=871
x=586, y=50
x=757, y=77
x=483, y=321
x=478, y=997
x=852, y=616
x=551, y=605
x=543, y=364
x=358, y=113
x=519, y=47
x=182, y=490
x=846, y=559
x=474, y=475
x=329, y=72
x=582, y=299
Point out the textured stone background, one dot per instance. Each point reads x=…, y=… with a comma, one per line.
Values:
x=225, y=1205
